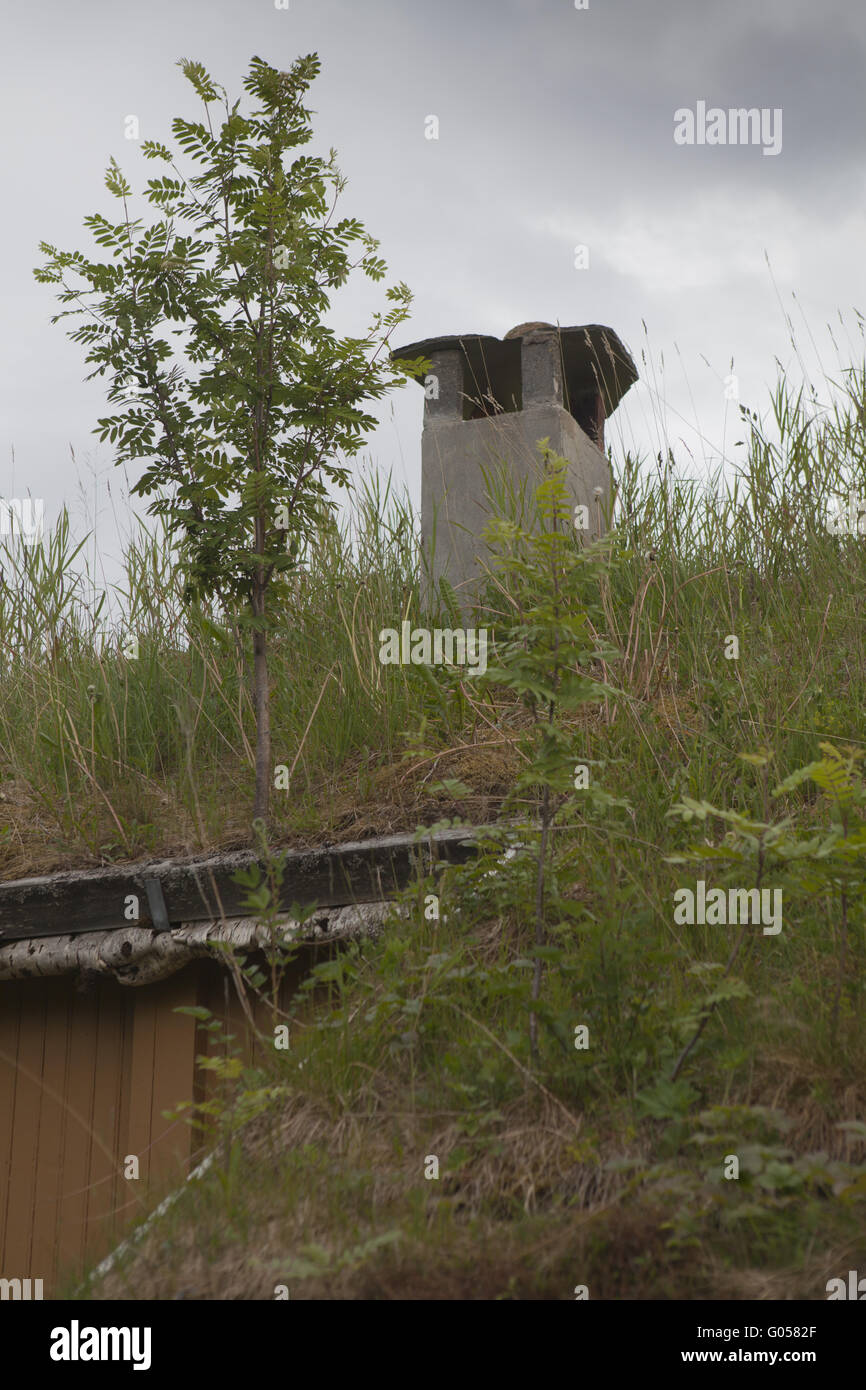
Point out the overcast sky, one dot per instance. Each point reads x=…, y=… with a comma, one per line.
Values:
x=556, y=128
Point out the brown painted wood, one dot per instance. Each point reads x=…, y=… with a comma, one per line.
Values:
x=20, y=1217
x=196, y=890
x=85, y=1075
x=52, y=1125
x=10, y=1011
x=82, y=1062
x=87, y=1068
x=106, y=1173
x=141, y=1084
x=173, y=1076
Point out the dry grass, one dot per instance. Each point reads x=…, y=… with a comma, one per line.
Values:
x=529, y=1222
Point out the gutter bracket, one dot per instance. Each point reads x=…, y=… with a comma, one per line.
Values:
x=156, y=903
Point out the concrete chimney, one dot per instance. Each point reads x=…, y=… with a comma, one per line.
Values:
x=487, y=403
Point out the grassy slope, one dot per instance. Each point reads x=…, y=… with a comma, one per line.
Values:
x=593, y=1168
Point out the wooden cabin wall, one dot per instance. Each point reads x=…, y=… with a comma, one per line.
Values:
x=85, y=1075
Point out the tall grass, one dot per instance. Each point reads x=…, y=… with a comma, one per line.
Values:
x=135, y=735
x=107, y=754
x=602, y=1167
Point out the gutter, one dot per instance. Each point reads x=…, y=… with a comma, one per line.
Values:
x=167, y=893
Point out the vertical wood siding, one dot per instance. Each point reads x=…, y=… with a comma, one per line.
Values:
x=84, y=1080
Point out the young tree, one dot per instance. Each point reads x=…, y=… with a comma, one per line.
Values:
x=241, y=421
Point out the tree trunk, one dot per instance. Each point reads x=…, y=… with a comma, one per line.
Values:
x=263, y=707
x=539, y=924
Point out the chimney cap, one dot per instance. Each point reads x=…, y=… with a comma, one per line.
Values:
x=594, y=357
x=523, y=329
